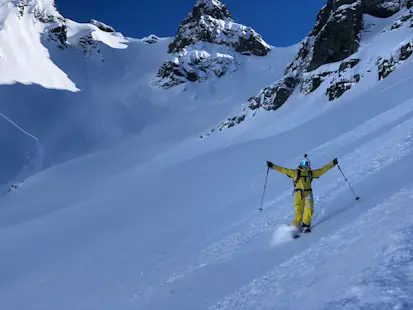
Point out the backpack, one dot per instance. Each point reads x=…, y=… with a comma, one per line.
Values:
x=310, y=175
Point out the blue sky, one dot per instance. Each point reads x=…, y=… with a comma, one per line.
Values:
x=280, y=22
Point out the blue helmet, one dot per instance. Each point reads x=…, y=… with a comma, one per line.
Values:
x=305, y=162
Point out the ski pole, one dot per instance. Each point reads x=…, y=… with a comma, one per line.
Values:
x=265, y=187
x=357, y=197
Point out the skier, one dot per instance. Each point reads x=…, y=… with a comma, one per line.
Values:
x=303, y=200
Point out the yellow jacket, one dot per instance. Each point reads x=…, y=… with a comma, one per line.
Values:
x=306, y=175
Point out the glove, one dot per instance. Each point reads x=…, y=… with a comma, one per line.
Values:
x=269, y=164
x=335, y=161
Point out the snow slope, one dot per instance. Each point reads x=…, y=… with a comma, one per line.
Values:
x=165, y=220
x=22, y=54
x=116, y=232
x=95, y=88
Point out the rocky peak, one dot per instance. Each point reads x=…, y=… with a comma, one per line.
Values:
x=151, y=39
x=382, y=8
x=193, y=60
x=334, y=39
x=210, y=21
x=101, y=26
x=44, y=11
x=213, y=8
x=335, y=35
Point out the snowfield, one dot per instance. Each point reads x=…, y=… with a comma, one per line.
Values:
x=123, y=206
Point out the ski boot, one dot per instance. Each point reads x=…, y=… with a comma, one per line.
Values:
x=305, y=228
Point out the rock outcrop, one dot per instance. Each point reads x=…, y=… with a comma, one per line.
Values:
x=152, y=39
x=194, y=58
x=194, y=66
x=102, y=26
x=273, y=97
x=334, y=38
x=340, y=86
x=336, y=33
x=210, y=21
x=381, y=8
x=269, y=99
x=388, y=65
x=59, y=35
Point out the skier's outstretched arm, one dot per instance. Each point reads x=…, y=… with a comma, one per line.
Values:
x=319, y=172
x=290, y=172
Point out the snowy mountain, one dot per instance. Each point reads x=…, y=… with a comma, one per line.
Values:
x=60, y=84
x=207, y=45
x=123, y=206
x=73, y=72
x=344, y=48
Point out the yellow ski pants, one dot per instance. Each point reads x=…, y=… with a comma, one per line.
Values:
x=304, y=206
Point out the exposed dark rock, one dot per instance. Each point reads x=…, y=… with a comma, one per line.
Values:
x=101, y=26
x=251, y=44
x=269, y=99
x=35, y=8
x=406, y=51
x=381, y=8
x=337, y=89
x=185, y=68
x=59, y=34
x=209, y=22
x=215, y=9
x=173, y=73
x=152, y=39
x=339, y=38
x=273, y=97
x=89, y=45
x=397, y=24
x=316, y=82
x=311, y=83
x=334, y=37
x=302, y=59
x=322, y=19
x=385, y=67
x=406, y=17
x=400, y=22
x=231, y=122
x=388, y=65
x=348, y=64
x=180, y=43
x=191, y=76
x=20, y=7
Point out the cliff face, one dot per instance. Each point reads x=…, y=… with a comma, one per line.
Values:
x=328, y=57
x=210, y=21
x=335, y=35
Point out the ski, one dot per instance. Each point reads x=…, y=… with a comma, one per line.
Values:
x=297, y=233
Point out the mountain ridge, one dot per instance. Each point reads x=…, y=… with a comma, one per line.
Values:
x=335, y=39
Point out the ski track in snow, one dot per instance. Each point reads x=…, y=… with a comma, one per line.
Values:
x=312, y=269
x=368, y=159
x=19, y=128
